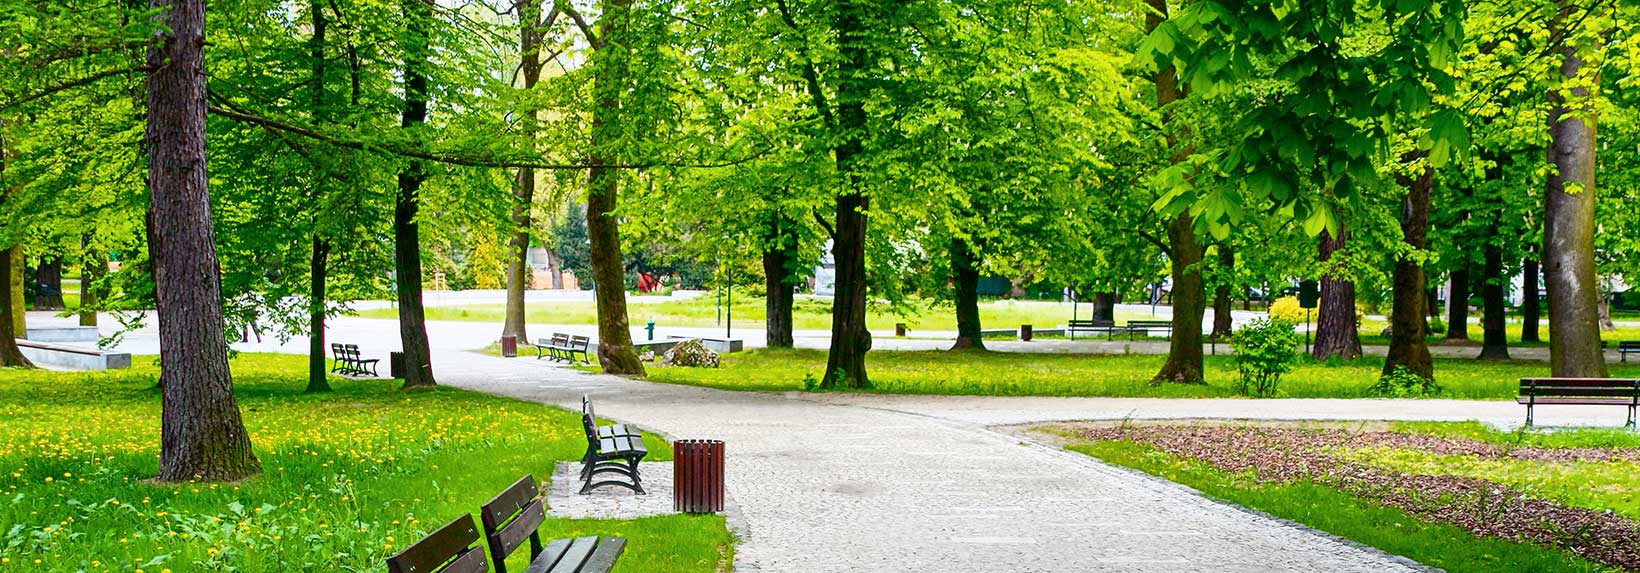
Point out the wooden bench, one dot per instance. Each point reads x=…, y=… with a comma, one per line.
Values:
x=349, y=361
x=544, y=346
x=608, y=431
x=1110, y=329
x=1137, y=327
x=516, y=515
x=563, y=347
x=450, y=548
x=1580, y=392
x=617, y=454
x=1627, y=347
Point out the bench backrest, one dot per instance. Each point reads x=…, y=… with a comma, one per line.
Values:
x=512, y=517
x=589, y=424
x=1581, y=387
x=1629, y=345
x=1149, y=323
x=580, y=342
x=336, y=351
x=586, y=408
x=543, y=342
x=560, y=339
x=447, y=550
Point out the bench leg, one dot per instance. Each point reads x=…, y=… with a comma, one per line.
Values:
x=1528, y=416
x=1631, y=424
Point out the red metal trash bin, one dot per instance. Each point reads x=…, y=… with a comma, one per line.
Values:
x=697, y=476
x=509, y=346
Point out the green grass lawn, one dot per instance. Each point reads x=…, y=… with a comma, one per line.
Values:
x=1372, y=334
x=1017, y=374
x=748, y=314
x=348, y=478
x=1390, y=529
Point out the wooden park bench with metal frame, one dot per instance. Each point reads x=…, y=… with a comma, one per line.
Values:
x=617, y=454
x=1095, y=326
x=1143, y=327
x=564, y=347
x=1580, y=392
x=544, y=346
x=516, y=515
x=450, y=548
x=350, y=361
x=1627, y=347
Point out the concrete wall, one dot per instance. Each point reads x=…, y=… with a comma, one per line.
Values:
x=73, y=358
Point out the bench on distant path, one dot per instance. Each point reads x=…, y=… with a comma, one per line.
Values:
x=563, y=348
x=516, y=515
x=1580, y=392
x=1136, y=327
x=350, y=361
x=72, y=357
x=1627, y=347
x=1110, y=329
x=544, y=346
x=610, y=452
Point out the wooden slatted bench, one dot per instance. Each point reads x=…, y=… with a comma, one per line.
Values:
x=1137, y=327
x=1627, y=347
x=614, y=454
x=351, y=362
x=1096, y=326
x=450, y=549
x=546, y=347
x=515, y=515
x=1580, y=392
x=608, y=431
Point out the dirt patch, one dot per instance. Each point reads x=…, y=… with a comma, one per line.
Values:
x=1285, y=455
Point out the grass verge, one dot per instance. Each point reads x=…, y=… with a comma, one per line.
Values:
x=348, y=477
x=1389, y=529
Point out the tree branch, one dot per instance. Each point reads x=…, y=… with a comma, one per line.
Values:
x=824, y=225
x=91, y=79
x=580, y=22
x=811, y=77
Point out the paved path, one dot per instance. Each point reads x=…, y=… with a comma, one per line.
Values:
x=840, y=487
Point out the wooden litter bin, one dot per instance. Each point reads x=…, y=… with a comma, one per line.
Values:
x=697, y=476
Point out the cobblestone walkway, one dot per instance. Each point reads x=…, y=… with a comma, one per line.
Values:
x=840, y=487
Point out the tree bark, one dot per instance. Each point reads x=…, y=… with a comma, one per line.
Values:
x=1407, y=346
x=1457, y=304
x=201, y=434
x=1568, y=221
x=14, y=284
x=850, y=340
x=1104, y=308
x=778, y=288
x=92, y=268
x=610, y=65
x=318, y=272
x=11, y=305
x=1336, y=333
x=1184, y=357
x=49, y=273
x=1494, y=331
x=965, y=278
x=418, y=360
x=1223, y=322
x=1530, y=308
x=519, y=276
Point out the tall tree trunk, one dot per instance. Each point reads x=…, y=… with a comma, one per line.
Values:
x=778, y=287
x=14, y=284
x=11, y=305
x=850, y=340
x=1457, y=304
x=1530, y=308
x=318, y=261
x=1568, y=218
x=201, y=434
x=49, y=276
x=418, y=360
x=1104, y=308
x=1494, y=331
x=1184, y=357
x=611, y=68
x=965, y=278
x=318, y=272
x=1408, y=311
x=1336, y=333
x=92, y=268
x=1223, y=322
x=519, y=275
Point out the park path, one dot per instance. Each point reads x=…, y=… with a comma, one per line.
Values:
x=834, y=486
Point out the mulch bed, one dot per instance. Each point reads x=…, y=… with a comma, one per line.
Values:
x=1285, y=455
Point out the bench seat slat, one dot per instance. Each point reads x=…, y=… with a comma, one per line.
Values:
x=1577, y=391
x=1607, y=382
x=550, y=555
x=577, y=555
x=603, y=558
x=1577, y=401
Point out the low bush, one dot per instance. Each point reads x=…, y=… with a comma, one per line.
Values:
x=1286, y=309
x=1404, y=383
x=1265, y=349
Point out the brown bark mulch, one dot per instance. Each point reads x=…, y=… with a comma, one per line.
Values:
x=1285, y=455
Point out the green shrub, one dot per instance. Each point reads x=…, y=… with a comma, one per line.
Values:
x=1404, y=383
x=1265, y=349
x=1286, y=309
x=1436, y=326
